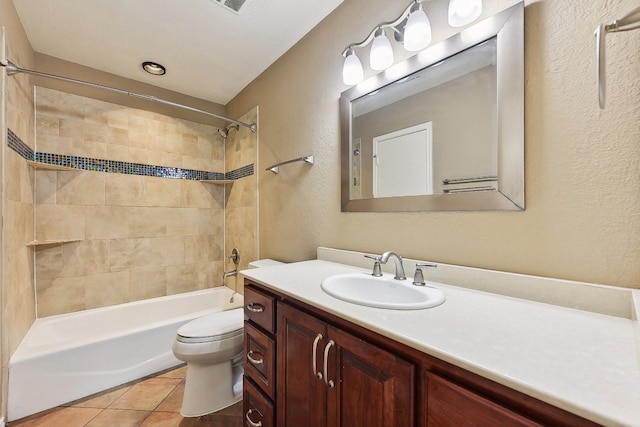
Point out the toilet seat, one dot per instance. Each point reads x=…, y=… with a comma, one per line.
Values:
x=213, y=327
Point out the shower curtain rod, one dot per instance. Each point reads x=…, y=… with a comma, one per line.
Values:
x=14, y=69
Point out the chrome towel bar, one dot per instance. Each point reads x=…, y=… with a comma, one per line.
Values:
x=276, y=168
x=469, y=180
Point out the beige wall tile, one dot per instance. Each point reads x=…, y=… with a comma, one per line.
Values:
x=182, y=278
x=46, y=186
x=147, y=222
x=48, y=125
x=203, y=248
x=49, y=265
x=85, y=258
x=107, y=222
x=139, y=155
x=127, y=254
x=118, y=153
x=147, y=282
x=102, y=290
x=63, y=296
x=124, y=190
x=54, y=222
x=162, y=191
x=81, y=188
x=168, y=250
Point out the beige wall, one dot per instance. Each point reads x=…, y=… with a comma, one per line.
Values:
x=464, y=141
x=582, y=220
x=140, y=237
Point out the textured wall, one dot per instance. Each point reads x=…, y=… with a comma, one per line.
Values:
x=582, y=220
x=140, y=236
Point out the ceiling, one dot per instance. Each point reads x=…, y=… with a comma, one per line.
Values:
x=209, y=51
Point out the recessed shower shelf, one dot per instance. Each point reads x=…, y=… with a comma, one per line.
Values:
x=48, y=166
x=52, y=242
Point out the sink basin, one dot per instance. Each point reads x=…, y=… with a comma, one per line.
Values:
x=381, y=292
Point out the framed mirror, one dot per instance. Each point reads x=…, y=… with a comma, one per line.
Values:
x=442, y=130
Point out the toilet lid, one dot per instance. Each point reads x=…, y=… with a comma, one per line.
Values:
x=213, y=327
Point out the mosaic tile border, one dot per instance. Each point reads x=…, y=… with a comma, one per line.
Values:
x=112, y=166
x=16, y=144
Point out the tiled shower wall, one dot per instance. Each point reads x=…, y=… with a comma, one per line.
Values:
x=19, y=307
x=241, y=213
x=139, y=236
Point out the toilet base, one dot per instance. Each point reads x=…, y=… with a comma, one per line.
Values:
x=209, y=388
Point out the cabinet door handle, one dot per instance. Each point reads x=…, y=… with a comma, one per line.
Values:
x=251, y=423
x=328, y=383
x=255, y=307
x=254, y=361
x=317, y=373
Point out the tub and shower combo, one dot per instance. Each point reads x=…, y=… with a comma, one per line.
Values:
x=66, y=357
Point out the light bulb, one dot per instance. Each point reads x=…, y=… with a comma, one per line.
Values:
x=352, y=72
x=463, y=12
x=381, y=55
x=417, y=31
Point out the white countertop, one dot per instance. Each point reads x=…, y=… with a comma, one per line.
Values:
x=583, y=362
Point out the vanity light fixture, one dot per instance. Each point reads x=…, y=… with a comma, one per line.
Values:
x=412, y=28
x=381, y=54
x=463, y=12
x=154, y=68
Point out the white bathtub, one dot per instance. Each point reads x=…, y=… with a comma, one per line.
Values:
x=66, y=357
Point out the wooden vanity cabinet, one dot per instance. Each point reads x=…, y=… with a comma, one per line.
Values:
x=328, y=377
x=331, y=372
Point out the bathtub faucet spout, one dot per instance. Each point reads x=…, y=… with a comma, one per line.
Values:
x=229, y=274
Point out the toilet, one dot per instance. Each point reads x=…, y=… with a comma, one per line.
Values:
x=212, y=348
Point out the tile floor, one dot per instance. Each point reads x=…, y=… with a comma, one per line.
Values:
x=153, y=401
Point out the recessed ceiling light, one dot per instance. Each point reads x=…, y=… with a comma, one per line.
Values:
x=153, y=68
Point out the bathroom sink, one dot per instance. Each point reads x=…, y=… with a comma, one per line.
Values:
x=381, y=292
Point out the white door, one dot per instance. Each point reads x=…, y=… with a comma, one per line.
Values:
x=402, y=164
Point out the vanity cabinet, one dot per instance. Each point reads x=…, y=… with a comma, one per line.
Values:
x=314, y=369
x=259, y=386
x=328, y=377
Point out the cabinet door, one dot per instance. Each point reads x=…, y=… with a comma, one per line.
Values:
x=301, y=395
x=449, y=404
x=373, y=387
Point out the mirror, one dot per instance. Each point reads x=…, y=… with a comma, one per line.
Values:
x=443, y=130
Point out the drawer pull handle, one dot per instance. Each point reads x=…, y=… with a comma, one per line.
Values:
x=328, y=383
x=251, y=423
x=252, y=360
x=255, y=308
x=317, y=373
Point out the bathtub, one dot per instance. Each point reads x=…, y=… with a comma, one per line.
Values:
x=66, y=357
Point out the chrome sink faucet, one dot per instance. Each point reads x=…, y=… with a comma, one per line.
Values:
x=398, y=260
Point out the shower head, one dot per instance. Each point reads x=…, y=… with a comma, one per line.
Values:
x=225, y=132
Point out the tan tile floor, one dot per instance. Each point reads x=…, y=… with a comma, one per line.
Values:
x=153, y=401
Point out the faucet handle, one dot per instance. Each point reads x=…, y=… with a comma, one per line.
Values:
x=418, y=277
x=377, y=271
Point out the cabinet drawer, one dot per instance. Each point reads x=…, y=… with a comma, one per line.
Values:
x=260, y=359
x=257, y=409
x=259, y=308
x=449, y=404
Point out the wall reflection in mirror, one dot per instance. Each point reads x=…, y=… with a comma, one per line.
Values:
x=445, y=136
x=447, y=112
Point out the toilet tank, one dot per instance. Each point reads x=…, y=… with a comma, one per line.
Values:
x=259, y=263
